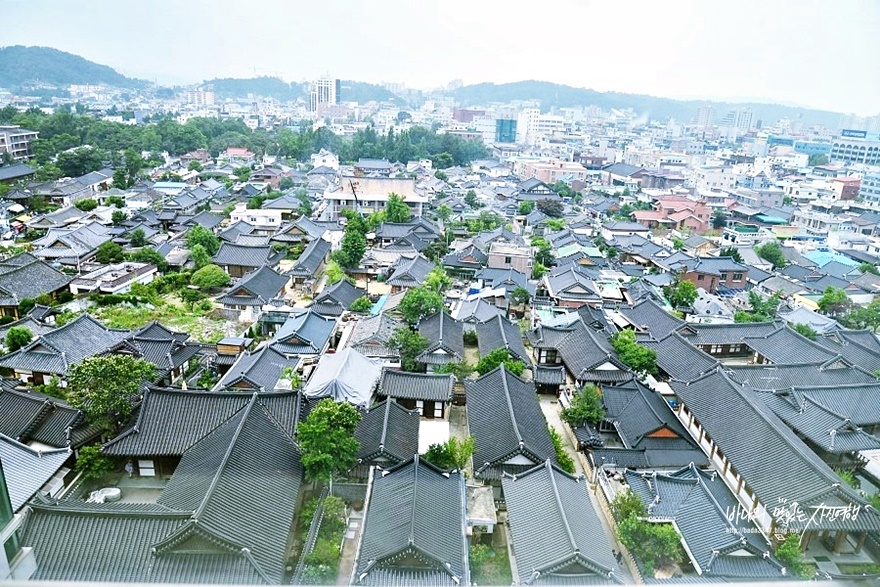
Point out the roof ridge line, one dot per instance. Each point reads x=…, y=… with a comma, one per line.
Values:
x=412, y=518
x=565, y=523
x=385, y=424
x=225, y=459
x=510, y=411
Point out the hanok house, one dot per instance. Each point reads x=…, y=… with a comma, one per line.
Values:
x=589, y=358
x=306, y=270
x=228, y=350
x=52, y=353
x=445, y=340
x=205, y=524
x=555, y=532
x=698, y=504
x=506, y=421
x=26, y=277
x=41, y=421
x=428, y=394
x=501, y=333
x=238, y=260
x=388, y=434
x=409, y=271
x=776, y=478
x=169, y=351
x=642, y=432
x=336, y=299
x=305, y=333
x=245, y=299
x=570, y=287
x=415, y=528
x=259, y=371
x=370, y=336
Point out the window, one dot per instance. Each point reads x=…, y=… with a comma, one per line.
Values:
x=700, y=277
x=507, y=260
x=737, y=276
x=724, y=277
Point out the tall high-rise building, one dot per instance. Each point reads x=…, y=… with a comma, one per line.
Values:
x=505, y=130
x=200, y=97
x=325, y=90
x=705, y=117
x=742, y=120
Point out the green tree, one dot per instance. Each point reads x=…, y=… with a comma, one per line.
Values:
x=396, y=210
x=452, y=454
x=285, y=184
x=677, y=243
x=497, y=357
x=863, y=316
x=109, y=252
x=789, y=554
x=362, y=305
x=638, y=357
x=103, y=387
x=868, y=268
x=586, y=407
x=520, y=296
x=242, y=173
x=437, y=280
x=834, y=301
x=681, y=294
x=771, y=252
x=565, y=462
x=443, y=212
x=655, y=544
x=420, y=302
x=198, y=235
x=86, y=205
x=196, y=166
x=117, y=201
x=17, y=337
x=137, y=238
x=552, y=208
x=148, y=255
x=209, y=277
x=199, y=256
x=543, y=251
x=327, y=441
x=334, y=272
x=731, y=252
x=555, y=224
x=118, y=217
x=719, y=219
x=92, y=464
x=409, y=345
x=762, y=310
x=526, y=207
x=538, y=270
x=353, y=246
x=817, y=159
x=805, y=331
x=470, y=198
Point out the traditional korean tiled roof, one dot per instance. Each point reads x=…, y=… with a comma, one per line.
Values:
x=857, y=347
x=370, y=336
x=445, y=339
x=30, y=417
x=232, y=254
x=774, y=377
x=699, y=503
x=170, y=421
x=389, y=433
x=474, y=311
x=409, y=271
x=255, y=288
x=341, y=295
x=418, y=386
x=27, y=469
x=549, y=374
x=779, y=467
x=54, y=352
x=696, y=333
x=785, y=346
x=304, y=333
x=555, y=531
x=649, y=316
x=310, y=259
x=827, y=429
x=232, y=232
x=25, y=276
x=583, y=352
x=415, y=511
x=499, y=332
x=679, y=359
x=505, y=419
x=257, y=371
x=645, y=414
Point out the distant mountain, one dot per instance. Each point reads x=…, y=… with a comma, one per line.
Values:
x=362, y=92
x=271, y=87
x=556, y=95
x=22, y=66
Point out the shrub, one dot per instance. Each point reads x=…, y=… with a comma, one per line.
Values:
x=362, y=305
x=210, y=277
x=586, y=407
x=86, y=205
x=92, y=464
x=789, y=554
x=496, y=358
x=470, y=337
x=17, y=337
x=566, y=463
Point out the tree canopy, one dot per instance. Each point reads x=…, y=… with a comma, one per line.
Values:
x=771, y=252
x=498, y=357
x=327, y=441
x=18, y=337
x=109, y=252
x=681, y=294
x=409, y=344
x=396, y=210
x=452, y=454
x=103, y=387
x=209, y=277
x=586, y=407
x=636, y=356
x=420, y=302
x=834, y=301
x=198, y=235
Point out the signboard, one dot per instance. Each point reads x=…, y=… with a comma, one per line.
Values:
x=855, y=134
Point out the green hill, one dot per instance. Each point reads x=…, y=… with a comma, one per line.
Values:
x=362, y=92
x=272, y=87
x=23, y=66
x=560, y=96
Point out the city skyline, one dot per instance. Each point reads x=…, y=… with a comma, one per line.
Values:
x=788, y=53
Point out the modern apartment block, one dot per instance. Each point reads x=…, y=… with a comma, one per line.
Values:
x=324, y=91
x=16, y=141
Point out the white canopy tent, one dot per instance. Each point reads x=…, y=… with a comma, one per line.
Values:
x=345, y=376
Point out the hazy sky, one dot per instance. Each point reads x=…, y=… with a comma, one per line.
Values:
x=823, y=54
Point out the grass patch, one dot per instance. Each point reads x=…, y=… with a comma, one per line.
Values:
x=859, y=568
x=489, y=566
x=202, y=322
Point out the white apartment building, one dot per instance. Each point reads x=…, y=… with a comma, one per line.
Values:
x=265, y=221
x=324, y=91
x=869, y=191
x=16, y=141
